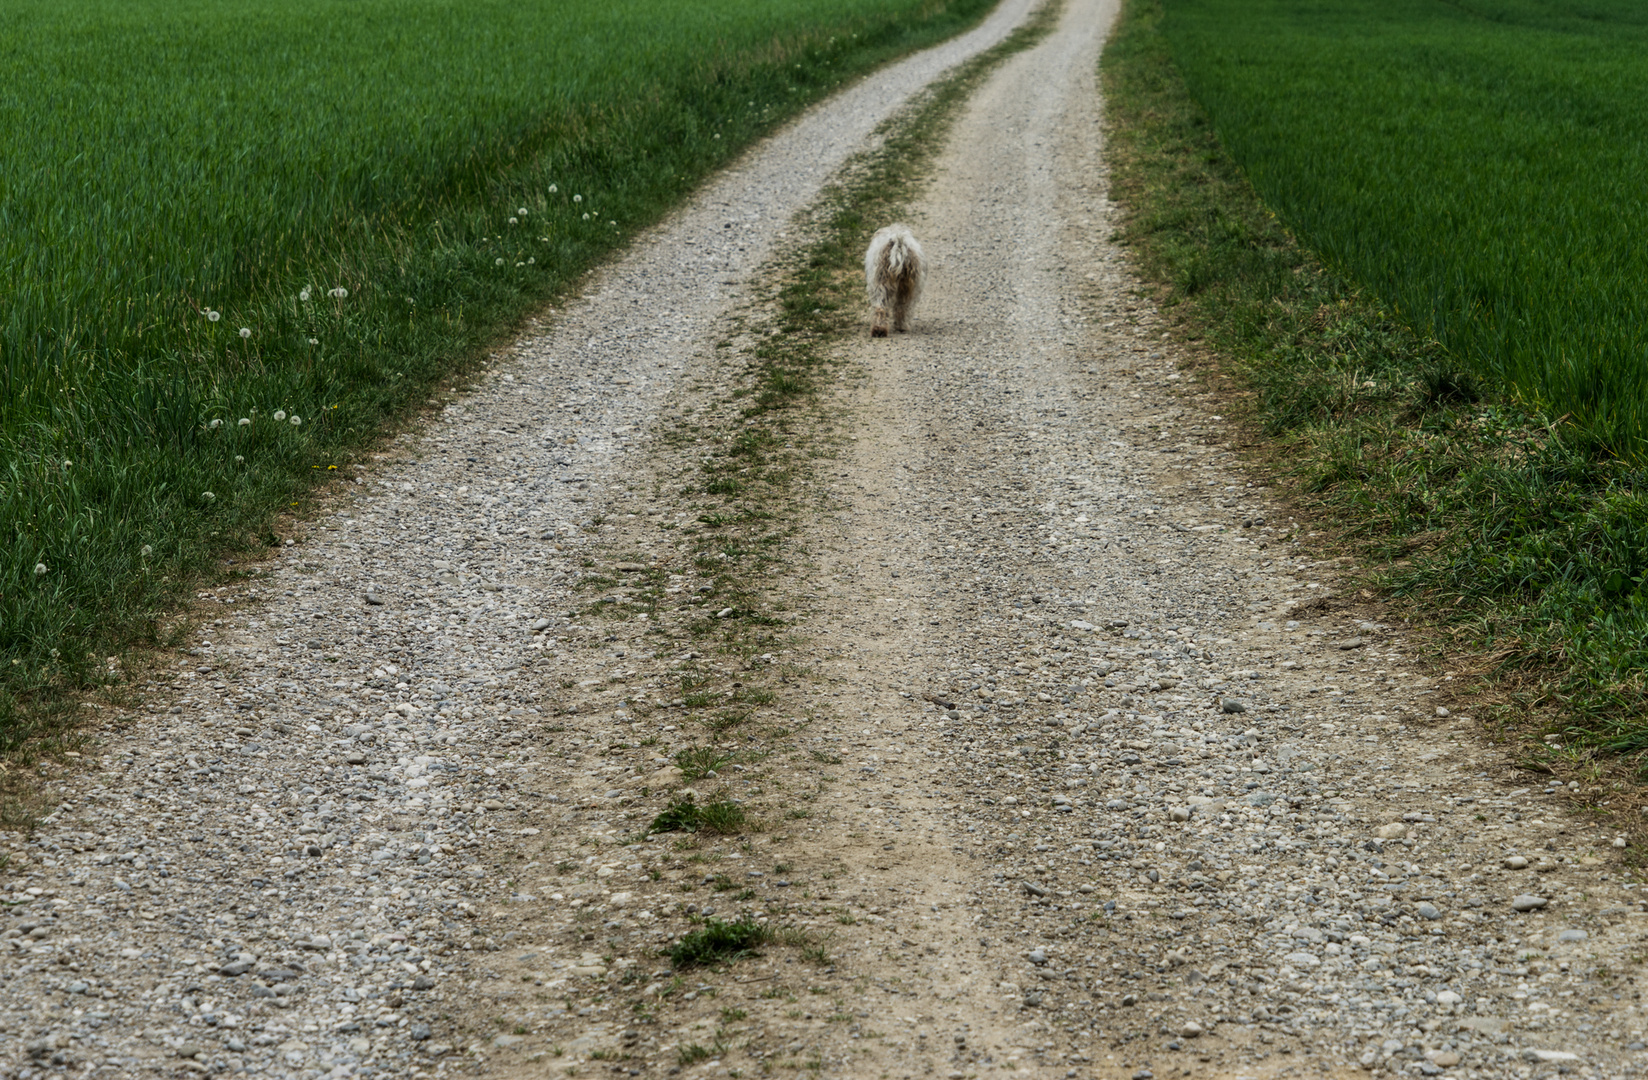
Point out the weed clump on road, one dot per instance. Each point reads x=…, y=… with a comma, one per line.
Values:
x=684, y=814
x=717, y=941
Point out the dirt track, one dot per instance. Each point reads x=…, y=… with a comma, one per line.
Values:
x=1100, y=779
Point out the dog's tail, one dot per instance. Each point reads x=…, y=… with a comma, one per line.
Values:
x=894, y=264
x=899, y=257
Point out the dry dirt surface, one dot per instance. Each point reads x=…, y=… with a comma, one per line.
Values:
x=1071, y=758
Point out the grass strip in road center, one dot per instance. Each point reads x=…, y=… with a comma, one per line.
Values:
x=725, y=603
x=242, y=237
x=1529, y=549
x=754, y=465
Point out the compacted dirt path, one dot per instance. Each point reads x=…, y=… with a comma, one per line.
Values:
x=1074, y=762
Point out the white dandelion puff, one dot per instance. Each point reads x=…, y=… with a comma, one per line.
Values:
x=553, y=189
x=208, y=496
x=497, y=262
x=67, y=464
x=216, y=424
x=39, y=569
x=280, y=414
x=239, y=460
x=245, y=332
x=244, y=421
x=586, y=217
x=314, y=341
x=213, y=316
x=522, y=211
x=529, y=262
x=147, y=551
x=514, y=221
x=338, y=293
x=577, y=198
x=295, y=421
x=304, y=295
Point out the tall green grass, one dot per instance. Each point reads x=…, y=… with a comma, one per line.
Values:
x=1476, y=163
x=238, y=236
x=1499, y=526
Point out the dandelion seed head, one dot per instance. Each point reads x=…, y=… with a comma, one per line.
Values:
x=586, y=217
x=295, y=421
x=216, y=424
x=245, y=421
x=498, y=262
x=208, y=496
x=338, y=293
x=147, y=551
x=314, y=341
x=245, y=332
x=239, y=460
x=553, y=189
x=304, y=295
x=522, y=211
x=518, y=265
x=577, y=198
x=213, y=316
x=529, y=262
x=67, y=464
x=280, y=414
x=39, y=569
x=514, y=221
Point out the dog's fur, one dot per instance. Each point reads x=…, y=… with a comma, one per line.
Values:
x=893, y=273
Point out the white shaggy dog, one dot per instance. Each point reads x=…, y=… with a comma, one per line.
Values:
x=893, y=272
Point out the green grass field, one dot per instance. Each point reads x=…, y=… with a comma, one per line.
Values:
x=1477, y=163
x=1352, y=159
x=239, y=237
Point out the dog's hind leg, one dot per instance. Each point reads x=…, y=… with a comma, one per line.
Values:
x=901, y=303
x=878, y=322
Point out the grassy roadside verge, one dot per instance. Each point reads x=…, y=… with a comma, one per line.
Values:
x=1526, y=549
x=138, y=454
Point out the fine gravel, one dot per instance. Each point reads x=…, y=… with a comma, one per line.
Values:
x=1105, y=772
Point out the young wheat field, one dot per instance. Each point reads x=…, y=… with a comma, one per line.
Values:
x=1478, y=164
x=237, y=237
x=1412, y=229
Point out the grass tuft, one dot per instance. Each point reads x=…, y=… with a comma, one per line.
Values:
x=718, y=941
x=722, y=816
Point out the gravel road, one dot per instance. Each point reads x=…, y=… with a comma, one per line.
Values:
x=1104, y=776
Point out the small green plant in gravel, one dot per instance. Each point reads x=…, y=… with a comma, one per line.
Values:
x=717, y=941
x=686, y=815
x=699, y=761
